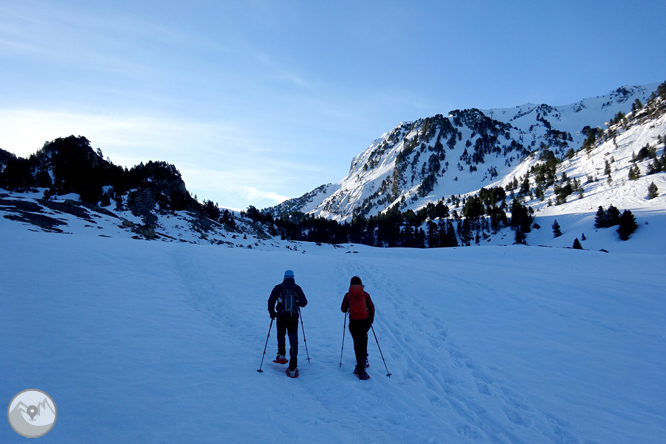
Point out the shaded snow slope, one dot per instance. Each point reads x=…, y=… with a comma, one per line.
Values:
x=68, y=215
x=151, y=342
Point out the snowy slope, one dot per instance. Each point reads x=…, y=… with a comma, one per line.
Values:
x=400, y=169
x=593, y=112
x=576, y=215
x=437, y=157
x=66, y=214
x=156, y=342
x=627, y=193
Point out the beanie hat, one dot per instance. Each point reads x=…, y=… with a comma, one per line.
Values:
x=288, y=274
x=356, y=281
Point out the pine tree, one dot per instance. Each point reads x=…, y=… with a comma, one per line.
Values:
x=600, y=220
x=653, y=167
x=627, y=225
x=433, y=237
x=450, y=239
x=612, y=216
x=525, y=185
x=538, y=193
x=634, y=172
x=521, y=216
x=653, y=191
x=577, y=245
x=520, y=236
x=556, y=229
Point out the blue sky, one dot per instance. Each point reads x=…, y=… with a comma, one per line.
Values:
x=257, y=101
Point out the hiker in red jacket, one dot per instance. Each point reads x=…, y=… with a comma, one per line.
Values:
x=361, y=315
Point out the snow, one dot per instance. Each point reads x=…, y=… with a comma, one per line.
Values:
x=156, y=342
x=159, y=341
x=377, y=163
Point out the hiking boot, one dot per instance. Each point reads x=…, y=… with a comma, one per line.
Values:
x=281, y=359
x=361, y=373
x=293, y=373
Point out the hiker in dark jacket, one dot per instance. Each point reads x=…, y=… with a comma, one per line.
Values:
x=287, y=318
x=361, y=316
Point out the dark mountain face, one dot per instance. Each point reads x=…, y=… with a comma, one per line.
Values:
x=153, y=192
x=71, y=165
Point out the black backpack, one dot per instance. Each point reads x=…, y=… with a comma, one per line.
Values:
x=288, y=302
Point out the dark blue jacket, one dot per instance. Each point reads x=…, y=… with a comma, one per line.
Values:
x=277, y=291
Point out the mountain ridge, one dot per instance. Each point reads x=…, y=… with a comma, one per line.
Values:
x=521, y=189
x=420, y=162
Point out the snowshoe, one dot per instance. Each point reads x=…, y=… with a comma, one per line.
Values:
x=281, y=359
x=361, y=374
x=292, y=373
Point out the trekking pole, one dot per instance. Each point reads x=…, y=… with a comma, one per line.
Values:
x=380, y=351
x=304, y=340
x=344, y=327
x=262, y=356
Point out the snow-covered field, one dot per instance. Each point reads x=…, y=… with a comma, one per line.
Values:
x=159, y=342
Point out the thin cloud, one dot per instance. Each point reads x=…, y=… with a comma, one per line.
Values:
x=254, y=193
x=218, y=161
x=17, y=46
x=110, y=41
x=281, y=73
x=230, y=186
x=25, y=131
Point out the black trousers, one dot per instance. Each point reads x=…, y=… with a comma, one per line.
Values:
x=288, y=325
x=359, y=332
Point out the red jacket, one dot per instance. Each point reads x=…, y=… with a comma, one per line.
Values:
x=359, y=304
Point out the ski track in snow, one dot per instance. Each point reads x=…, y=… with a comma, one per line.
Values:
x=484, y=344
x=453, y=380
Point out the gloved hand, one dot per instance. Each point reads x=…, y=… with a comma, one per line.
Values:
x=273, y=315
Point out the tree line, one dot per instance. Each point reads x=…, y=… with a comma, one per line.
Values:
x=434, y=225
